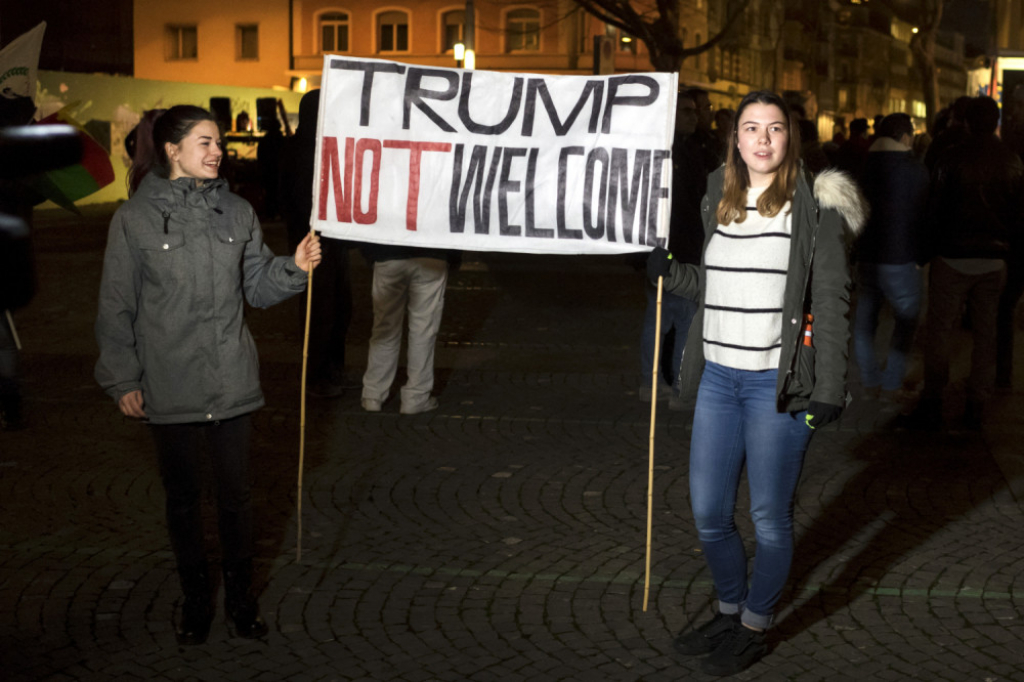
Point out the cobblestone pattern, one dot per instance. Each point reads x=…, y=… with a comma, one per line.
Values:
x=498, y=538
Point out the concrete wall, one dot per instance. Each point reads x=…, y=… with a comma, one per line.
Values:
x=110, y=106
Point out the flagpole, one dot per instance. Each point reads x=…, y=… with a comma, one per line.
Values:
x=302, y=415
x=650, y=456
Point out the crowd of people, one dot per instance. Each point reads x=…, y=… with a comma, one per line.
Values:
x=766, y=230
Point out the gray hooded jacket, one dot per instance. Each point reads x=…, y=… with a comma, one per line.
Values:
x=171, y=314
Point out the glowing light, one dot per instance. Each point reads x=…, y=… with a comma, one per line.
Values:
x=302, y=85
x=459, y=51
x=470, y=61
x=914, y=30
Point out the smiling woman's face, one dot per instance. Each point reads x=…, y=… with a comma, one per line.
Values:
x=199, y=153
x=762, y=138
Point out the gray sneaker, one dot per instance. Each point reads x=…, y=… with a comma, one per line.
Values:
x=708, y=636
x=429, y=404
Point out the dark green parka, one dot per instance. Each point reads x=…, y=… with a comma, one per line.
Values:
x=825, y=220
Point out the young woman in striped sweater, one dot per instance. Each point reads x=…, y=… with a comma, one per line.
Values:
x=765, y=360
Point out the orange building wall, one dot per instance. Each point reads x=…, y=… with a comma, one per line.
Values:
x=215, y=22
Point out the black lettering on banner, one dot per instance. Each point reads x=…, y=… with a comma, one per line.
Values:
x=597, y=155
x=658, y=192
x=563, y=174
x=531, y=175
x=538, y=87
x=479, y=128
x=631, y=192
x=368, y=69
x=492, y=176
x=505, y=185
x=415, y=93
x=614, y=99
x=474, y=180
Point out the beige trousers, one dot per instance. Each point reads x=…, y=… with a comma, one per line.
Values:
x=416, y=285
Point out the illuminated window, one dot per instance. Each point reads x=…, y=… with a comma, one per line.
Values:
x=333, y=32
x=182, y=42
x=453, y=23
x=393, y=32
x=522, y=30
x=247, y=42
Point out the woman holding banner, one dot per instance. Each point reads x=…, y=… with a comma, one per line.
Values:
x=175, y=350
x=766, y=360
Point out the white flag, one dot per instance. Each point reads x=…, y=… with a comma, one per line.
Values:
x=19, y=61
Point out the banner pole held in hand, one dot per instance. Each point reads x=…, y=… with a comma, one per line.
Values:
x=650, y=465
x=302, y=415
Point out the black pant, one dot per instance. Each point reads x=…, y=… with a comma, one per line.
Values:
x=331, y=313
x=948, y=290
x=1004, y=326
x=180, y=448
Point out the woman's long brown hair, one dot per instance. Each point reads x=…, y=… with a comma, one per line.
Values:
x=733, y=206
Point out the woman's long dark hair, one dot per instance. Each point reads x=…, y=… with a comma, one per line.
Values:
x=155, y=130
x=733, y=206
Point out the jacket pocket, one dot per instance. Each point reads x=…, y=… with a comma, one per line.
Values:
x=229, y=245
x=803, y=375
x=164, y=258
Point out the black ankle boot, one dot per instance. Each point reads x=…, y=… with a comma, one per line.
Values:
x=196, y=610
x=243, y=612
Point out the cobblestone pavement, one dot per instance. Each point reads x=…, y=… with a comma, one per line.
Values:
x=502, y=536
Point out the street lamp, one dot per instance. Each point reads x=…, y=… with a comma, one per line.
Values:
x=460, y=52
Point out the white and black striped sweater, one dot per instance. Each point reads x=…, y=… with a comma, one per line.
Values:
x=746, y=266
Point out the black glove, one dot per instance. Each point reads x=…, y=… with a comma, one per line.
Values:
x=659, y=264
x=819, y=414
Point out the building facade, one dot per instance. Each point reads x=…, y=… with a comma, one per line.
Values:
x=846, y=58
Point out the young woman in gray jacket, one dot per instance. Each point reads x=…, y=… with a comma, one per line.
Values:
x=175, y=350
x=766, y=358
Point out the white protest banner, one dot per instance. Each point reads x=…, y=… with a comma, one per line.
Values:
x=491, y=161
x=19, y=61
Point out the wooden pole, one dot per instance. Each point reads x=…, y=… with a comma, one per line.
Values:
x=302, y=416
x=650, y=456
x=14, y=330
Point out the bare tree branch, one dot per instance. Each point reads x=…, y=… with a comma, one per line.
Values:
x=658, y=28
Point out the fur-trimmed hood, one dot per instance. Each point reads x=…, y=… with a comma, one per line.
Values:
x=836, y=190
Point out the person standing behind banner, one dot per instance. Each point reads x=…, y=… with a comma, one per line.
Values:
x=331, y=308
x=703, y=143
x=182, y=257
x=766, y=360
x=413, y=279
x=685, y=238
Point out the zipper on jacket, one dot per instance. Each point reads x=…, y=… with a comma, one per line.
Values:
x=167, y=217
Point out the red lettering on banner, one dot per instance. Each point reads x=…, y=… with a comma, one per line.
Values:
x=416, y=149
x=369, y=216
x=330, y=170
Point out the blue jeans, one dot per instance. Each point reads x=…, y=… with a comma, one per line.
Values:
x=735, y=424
x=676, y=315
x=900, y=285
